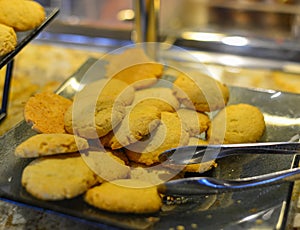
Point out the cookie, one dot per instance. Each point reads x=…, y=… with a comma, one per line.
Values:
x=8, y=39
x=108, y=165
x=200, y=92
x=197, y=141
x=138, y=123
x=58, y=177
x=194, y=122
x=45, y=111
x=21, y=15
x=125, y=196
x=50, y=144
x=92, y=121
x=238, y=123
x=160, y=97
x=169, y=134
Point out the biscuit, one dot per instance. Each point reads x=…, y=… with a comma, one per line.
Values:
x=201, y=93
x=140, y=76
x=194, y=122
x=21, y=15
x=197, y=141
x=8, y=39
x=50, y=144
x=106, y=164
x=58, y=177
x=90, y=120
x=138, y=123
x=125, y=196
x=169, y=134
x=238, y=123
x=160, y=97
x=46, y=112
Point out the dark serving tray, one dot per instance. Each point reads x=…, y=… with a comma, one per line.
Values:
x=265, y=208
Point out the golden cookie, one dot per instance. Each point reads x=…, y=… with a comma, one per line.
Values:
x=194, y=122
x=201, y=92
x=93, y=120
x=197, y=141
x=239, y=123
x=169, y=134
x=125, y=196
x=58, y=177
x=8, y=39
x=21, y=15
x=50, y=144
x=138, y=123
x=162, y=98
x=46, y=112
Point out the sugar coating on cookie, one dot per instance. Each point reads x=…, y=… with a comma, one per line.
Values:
x=58, y=177
x=8, y=39
x=200, y=92
x=238, y=123
x=50, y=144
x=21, y=15
x=125, y=196
x=45, y=111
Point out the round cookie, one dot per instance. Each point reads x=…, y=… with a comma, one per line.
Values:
x=125, y=196
x=46, y=112
x=8, y=39
x=21, y=15
x=58, y=177
x=92, y=121
x=50, y=144
x=169, y=134
x=138, y=123
x=201, y=92
x=238, y=123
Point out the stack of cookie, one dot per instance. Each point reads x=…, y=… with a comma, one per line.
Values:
x=17, y=16
x=113, y=132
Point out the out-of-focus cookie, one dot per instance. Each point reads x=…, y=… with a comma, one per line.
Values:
x=8, y=39
x=194, y=122
x=125, y=196
x=45, y=111
x=200, y=92
x=140, y=76
x=50, y=144
x=21, y=15
x=197, y=141
x=138, y=123
x=239, y=123
x=58, y=177
x=162, y=98
x=107, y=164
x=169, y=134
x=94, y=120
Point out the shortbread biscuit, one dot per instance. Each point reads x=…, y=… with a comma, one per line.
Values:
x=94, y=120
x=21, y=15
x=58, y=177
x=125, y=196
x=200, y=92
x=194, y=122
x=50, y=144
x=140, y=76
x=169, y=134
x=46, y=112
x=138, y=123
x=238, y=123
x=8, y=39
x=160, y=97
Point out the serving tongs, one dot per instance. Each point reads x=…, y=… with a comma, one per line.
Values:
x=208, y=185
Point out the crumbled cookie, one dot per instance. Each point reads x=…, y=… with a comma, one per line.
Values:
x=238, y=123
x=50, y=144
x=8, y=39
x=125, y=196
x=58, y=177
x=45, y=111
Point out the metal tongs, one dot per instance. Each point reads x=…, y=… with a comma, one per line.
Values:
x=208, y=185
